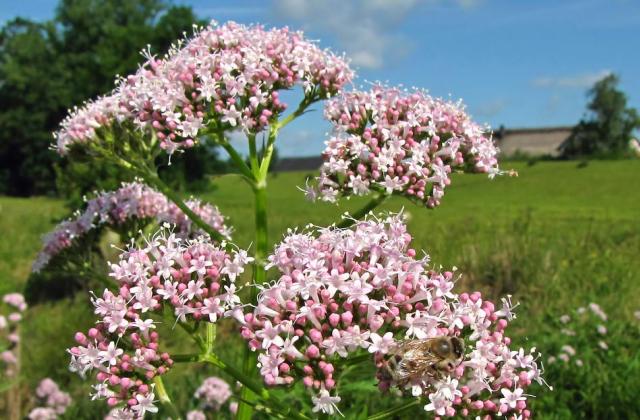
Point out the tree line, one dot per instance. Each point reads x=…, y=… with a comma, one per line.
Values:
x=47, y=67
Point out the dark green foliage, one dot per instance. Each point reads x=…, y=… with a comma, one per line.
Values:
x=608, y=126
x=47, y=68
x=33, y=99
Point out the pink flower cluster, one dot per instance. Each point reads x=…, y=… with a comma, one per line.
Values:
x=213, y=392
x=9, y=332
x=492, y=378
x=131, y=200
x=230, y=74
x=340, y=291
x=588, y=325
x=53, y=401
x=389, y=140
x=194, y=278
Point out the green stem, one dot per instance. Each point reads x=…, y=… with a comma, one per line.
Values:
x=302, y=107
x=268, y=153
x=395, y=410
x=262, y=236
x=372, y=204
x=259, y=171
x=235, y=156
x=153, y=179
x=210, y=337
x=354, y=360
x=253, y=154
x=185, y=358
x=275, y=128
x=257, y=390
x=259, y=277
x=164, y=398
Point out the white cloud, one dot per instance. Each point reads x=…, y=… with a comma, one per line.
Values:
x=578, y=81
x=368, y=31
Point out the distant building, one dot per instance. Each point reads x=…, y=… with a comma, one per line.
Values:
x=529, y=141
x=310, y=163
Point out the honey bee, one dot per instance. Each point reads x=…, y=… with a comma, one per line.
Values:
x=416, y=360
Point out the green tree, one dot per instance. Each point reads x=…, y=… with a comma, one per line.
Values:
x=608, y=125
x=33, y=99
x=47, y=68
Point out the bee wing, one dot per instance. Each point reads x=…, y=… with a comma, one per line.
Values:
x=405, y=346
x=417, y=359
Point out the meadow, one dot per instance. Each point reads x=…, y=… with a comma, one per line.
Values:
x=557, y=237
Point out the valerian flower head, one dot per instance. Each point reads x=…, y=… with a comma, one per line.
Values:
x=9, y=332
x=188, y=278
x=222, y=78
x=394, y=141
x=362, y=289
x=16, y=300
x=52, y=402
x=132, y=201
x=213, y=392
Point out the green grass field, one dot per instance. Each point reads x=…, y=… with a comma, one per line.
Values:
x=557, y=237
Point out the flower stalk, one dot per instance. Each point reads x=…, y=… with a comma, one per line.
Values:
x=152, y=178
x=386, y=414
x=259, y=169
x=377, y=200
x=164, y=398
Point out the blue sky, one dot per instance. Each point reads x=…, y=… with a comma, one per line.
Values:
x=517, y=63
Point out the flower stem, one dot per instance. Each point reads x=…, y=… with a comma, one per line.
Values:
x=235, y=156
x=257, y=173
x=153, y=179
x=259, y=277
x=395, y=410
x=210, y=337
x=164, y=398
x=256, y=389
x=359, y=214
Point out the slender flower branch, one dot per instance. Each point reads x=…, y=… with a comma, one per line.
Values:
x=395, y=410
x=360, y=213
x=302, y=107
x=210, y=337
x=236, y=158
x=164, y=398
x=268, y=152
x=253, y=154
x=260, y=171
x=277, y=126
x=153, y=179
x=185, y=358
x=256, y=389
